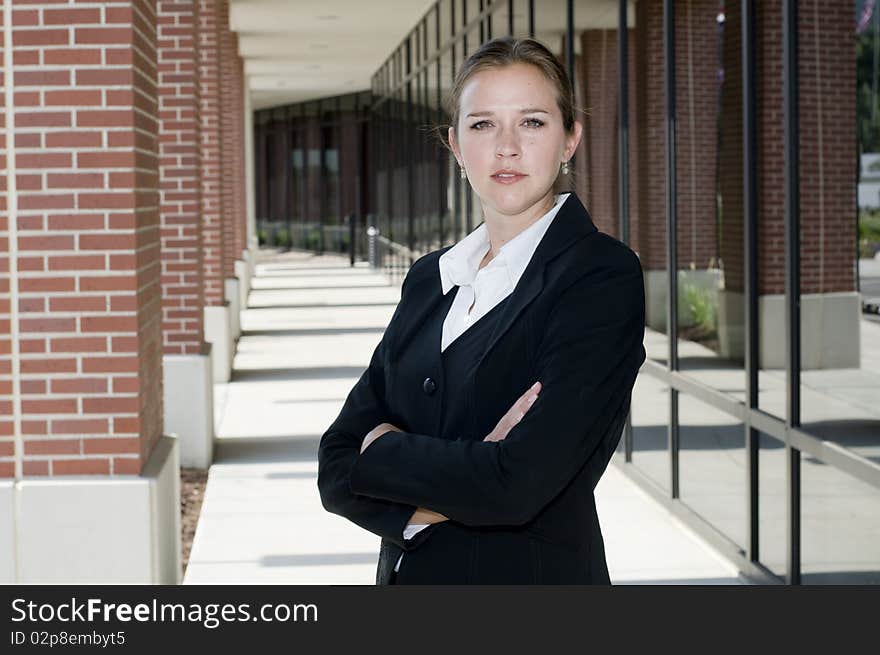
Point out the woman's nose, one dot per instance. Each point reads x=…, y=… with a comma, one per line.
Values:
x=508, y=144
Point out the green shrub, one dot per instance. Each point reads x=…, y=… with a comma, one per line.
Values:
x=282, y=237
x=702, y=305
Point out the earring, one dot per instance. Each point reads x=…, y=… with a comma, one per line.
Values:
x=565, y=168
x=462, y=172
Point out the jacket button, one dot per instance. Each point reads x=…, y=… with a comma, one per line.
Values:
x=429, y=386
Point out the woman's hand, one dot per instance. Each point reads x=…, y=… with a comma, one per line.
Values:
x=422, y=515
x=515, y=414
x=377, y=432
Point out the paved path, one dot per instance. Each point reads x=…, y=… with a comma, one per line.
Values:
x=309, y=329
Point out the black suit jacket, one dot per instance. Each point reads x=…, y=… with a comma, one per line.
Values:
x=521, y=510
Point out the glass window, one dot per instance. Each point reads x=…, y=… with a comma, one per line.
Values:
x=840, y=526
x=713, y=468
x=709, y=156
x=446, y=8
x=839, y=203
x=772, y=504
x=650, y=418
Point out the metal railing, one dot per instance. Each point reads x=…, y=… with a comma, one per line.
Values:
x=392, y=257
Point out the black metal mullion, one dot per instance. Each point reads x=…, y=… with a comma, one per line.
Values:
x=411, y=236
x=750, y=247
x=532, y=19
x=671, y=232
x=623, y=165
x=468, y=196
x=569, y=40
x=322, y=181
x=791, y=131
x=510, y=17
x=437, y=113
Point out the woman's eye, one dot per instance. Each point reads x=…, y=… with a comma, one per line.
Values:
x=534, y=122
x=479, y=125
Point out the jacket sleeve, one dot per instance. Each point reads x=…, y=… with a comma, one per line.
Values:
x=363, y=410
x=587, y=362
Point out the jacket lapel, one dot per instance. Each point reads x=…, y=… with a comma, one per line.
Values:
x=572, y=223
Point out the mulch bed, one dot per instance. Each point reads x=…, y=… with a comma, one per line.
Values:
x=192, y=491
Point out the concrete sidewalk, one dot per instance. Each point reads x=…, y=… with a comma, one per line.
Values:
x=311, y=324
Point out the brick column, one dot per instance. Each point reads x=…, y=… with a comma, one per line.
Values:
x=217, y=317
x=599, y=97
x=827, y=188
x=86, y=229
x=209, y=100
x=228, y=51
x=179, y=159
x=696, y=88
x=188, y=388
x=231, y=153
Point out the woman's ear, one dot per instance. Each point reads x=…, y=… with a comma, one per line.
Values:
x=572, y=140
x=454, y=145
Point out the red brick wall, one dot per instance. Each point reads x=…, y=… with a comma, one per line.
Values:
x=647, y=134
x=7, y=445
x=730, y=160
x=696, y=52
x=179, y=158
x=88, y=237
x=601, y=121
x=827, y=183
x=230, y=146
x=827, y=174
x=209, y=103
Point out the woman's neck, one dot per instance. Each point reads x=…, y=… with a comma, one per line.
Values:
x=503, y=228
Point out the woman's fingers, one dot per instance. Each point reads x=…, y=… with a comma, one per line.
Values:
x=515, y=414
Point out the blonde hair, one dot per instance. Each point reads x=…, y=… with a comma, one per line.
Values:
x=505, y=51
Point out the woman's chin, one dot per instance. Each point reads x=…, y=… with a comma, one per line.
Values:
x=513, y=203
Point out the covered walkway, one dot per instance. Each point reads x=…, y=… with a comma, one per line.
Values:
x=308, y=331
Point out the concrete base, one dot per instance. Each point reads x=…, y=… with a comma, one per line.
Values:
x=656, y=283
x=95, y=529
x=233, y=297
x=244, y=286
x=7, y=532
x=829, y=322
x=731, y=324
x=830, y=336
x=189, y=405
x=219, y=335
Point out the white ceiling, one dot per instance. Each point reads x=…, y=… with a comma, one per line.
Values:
x=297, y=50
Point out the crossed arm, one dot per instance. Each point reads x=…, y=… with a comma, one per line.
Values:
x=587, y=362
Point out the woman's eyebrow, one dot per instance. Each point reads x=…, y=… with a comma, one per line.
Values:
x=528, y=110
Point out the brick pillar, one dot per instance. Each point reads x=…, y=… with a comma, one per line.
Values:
x=240, y=190
x=230, y=146
x=88, y=237
x=179, y=158
x=828, y=148
x=7, y=427
x=830, y=306
x=209, y=100
x=86, y=228
x=188, y=386
x=218, y=329
x=599, y=81
x=696, y=84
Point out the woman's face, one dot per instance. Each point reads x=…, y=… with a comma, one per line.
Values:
x=510, y=137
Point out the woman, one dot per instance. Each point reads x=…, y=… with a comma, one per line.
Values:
x=475, y=438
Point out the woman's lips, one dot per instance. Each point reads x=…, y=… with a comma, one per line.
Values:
x=508, y=178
